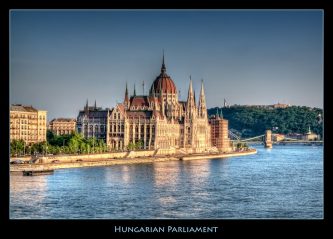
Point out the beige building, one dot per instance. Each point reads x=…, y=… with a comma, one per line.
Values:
x=27, y=123
x=311, y=136
x=278, y=137
x=280, y=106
x=62, y=126
x=159, y=120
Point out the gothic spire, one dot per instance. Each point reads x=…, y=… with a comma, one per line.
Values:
x=202, y=101
x=134, y=94
x=95, y=104
x=163, y=68
x=190, y=99
x=126, y=96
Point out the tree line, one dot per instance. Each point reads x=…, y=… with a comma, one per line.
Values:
x=59, y=144
x=252, y=121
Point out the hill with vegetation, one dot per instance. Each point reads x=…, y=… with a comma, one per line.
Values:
x=252, y=120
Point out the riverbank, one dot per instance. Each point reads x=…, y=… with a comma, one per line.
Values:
x=110, y=162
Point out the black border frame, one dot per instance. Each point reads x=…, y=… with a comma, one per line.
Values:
x=105, y=228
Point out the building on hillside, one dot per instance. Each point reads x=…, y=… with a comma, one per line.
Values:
x=279, y=105
x=27, y=123
x=62, y=126
x=219, y=132
x=92, y=121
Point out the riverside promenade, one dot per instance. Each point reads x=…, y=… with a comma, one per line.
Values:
x=77, y=161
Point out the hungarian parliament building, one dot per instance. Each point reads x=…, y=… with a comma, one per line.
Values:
x=157, y=121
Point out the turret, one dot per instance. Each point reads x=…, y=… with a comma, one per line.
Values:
x=126, y=100
x=190, y=104
x=163, y=68
x=202, y=109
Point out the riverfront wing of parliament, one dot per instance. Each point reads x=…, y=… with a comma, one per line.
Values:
x=158, y=120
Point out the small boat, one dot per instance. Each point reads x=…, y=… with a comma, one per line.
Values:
x=37, y=172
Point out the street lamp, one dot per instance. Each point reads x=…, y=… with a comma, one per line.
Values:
x=63, y=145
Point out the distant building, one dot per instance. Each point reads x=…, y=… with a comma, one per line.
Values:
x=219, y=133
x=278, y=137
x=278, y=106
x=92, y=122
x=295, y=136
x=311, y=136
x=27, y=123
x=62, y=126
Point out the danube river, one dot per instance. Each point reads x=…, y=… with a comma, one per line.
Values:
x=283, y=182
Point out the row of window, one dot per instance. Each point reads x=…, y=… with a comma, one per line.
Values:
x=26, y=133
x=62, y=128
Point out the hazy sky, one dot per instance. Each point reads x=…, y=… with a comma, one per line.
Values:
x=59, y=59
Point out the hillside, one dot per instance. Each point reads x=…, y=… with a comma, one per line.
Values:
x=253, y=121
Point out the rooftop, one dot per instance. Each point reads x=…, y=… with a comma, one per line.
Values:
x=63, y=120
x=22, y=108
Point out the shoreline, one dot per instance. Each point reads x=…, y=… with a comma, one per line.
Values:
x=110, y=162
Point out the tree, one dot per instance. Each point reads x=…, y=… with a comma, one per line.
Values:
x=17, y=147
x=253, y=121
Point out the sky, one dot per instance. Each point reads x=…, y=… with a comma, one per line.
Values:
x=59, y=59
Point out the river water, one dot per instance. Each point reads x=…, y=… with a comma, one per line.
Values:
x=283, y=182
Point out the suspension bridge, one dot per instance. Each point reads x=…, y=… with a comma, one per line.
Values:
x=266, y=139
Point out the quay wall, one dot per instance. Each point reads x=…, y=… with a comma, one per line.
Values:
x=108, y=162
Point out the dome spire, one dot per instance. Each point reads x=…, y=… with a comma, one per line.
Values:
x=163, y=68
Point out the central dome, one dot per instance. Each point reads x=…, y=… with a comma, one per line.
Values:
x=163, y=83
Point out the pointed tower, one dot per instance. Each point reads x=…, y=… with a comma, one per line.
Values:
x=202, y=109
x=95, y=105
x=190, y=104
x=134, y=93
x=86, y=108
x=163, y=68
x=126, y=101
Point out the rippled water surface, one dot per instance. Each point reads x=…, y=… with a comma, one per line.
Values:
x=283, y=182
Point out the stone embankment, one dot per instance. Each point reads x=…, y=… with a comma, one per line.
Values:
x=77, y=161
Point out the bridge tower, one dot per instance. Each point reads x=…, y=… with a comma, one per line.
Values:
x=268, y=139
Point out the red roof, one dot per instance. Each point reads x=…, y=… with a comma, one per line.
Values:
x=139, y=101
x=164, y=82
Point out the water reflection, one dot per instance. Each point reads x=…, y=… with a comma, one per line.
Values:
x=26, y=193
